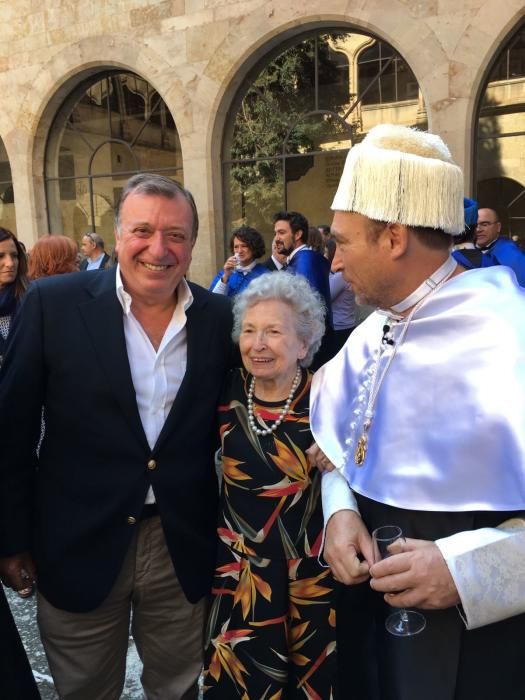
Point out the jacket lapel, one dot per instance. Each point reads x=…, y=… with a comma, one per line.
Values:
x=102, y=315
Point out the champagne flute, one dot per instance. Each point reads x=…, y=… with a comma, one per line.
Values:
x=402, y=623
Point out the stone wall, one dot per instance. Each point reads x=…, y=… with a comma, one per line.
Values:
x=196, y=53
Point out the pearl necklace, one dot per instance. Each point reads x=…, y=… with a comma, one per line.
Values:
x=374, y=383
x=283, y=413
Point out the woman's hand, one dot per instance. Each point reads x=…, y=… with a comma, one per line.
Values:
x=317, y=458
x=229, y=267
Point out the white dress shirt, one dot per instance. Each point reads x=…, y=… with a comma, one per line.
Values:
x=156, y=374
x=278, y=265
x=295, y=251
x=95, y=264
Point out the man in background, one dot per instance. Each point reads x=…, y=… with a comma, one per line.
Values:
x=95, y=257
x=276, y=261
x=291, y=239
x=502, y=251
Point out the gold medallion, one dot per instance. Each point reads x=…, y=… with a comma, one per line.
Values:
x=360, y=450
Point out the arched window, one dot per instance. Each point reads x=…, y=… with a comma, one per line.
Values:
x=111, y=127
x=291, y=124
x=384, y=77
x=501, y=138
x=7, y=200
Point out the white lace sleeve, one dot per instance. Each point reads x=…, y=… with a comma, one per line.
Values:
x=488, y=568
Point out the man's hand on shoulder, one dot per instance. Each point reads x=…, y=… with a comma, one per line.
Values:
x=346, y=539
x=18, y=572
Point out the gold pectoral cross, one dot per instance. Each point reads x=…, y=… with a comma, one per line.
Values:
x=360, y=450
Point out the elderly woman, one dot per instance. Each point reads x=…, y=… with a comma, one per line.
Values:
x=272, y=624
x=246, y=246
x=13, y=282
x=53, y=255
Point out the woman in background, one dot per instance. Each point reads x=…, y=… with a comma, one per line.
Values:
x=13, y=282
x=315, y=240
x=246, y=245
x=52, y=255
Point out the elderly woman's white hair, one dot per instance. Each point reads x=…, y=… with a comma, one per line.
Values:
x=307, y=305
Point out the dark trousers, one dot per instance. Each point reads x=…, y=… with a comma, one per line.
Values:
x=445, y=661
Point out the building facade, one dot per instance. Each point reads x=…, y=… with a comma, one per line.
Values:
x=251, y=104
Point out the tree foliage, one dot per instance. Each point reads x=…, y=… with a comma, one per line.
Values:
x=274, y=106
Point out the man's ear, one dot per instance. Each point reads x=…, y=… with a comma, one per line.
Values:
x=397, y=239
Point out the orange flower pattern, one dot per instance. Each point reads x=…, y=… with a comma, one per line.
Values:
x=271, y=630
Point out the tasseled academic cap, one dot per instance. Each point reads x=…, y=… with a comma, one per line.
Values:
x=402, y=175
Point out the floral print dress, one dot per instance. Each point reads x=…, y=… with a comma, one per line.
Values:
x=271, y=630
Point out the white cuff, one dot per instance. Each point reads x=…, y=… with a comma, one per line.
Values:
x=336, y=495
x=220, y=288
x=488, y=568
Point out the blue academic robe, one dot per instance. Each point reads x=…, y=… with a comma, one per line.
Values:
x=316, y=268
x=239, y=281
x=502, y=252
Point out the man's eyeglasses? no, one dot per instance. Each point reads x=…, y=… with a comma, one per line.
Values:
x=485, y=224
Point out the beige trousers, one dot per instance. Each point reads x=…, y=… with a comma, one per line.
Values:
x=87, y=651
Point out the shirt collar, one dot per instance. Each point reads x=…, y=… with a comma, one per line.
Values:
x=296, y=250
x=489, y=246
x=184, y=295
x=247, y=268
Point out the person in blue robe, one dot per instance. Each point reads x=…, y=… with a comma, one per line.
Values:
x=246, y=246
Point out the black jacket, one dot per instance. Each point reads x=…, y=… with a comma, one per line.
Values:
x=67, y=352
x=103, y=265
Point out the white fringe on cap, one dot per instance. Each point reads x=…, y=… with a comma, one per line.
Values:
x=402, y=175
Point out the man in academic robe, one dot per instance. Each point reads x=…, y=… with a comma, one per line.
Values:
x=497, y=249
x=422, y=414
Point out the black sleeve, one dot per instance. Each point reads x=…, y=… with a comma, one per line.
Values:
x=22, y=387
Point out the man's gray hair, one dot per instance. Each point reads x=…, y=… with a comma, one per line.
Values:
x=160, y=185
x=307, y=305
x=96, y=239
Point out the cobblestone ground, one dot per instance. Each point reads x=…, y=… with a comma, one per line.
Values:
x=24, y=612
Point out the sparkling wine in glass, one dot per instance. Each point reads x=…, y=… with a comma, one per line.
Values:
x=402, y=623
